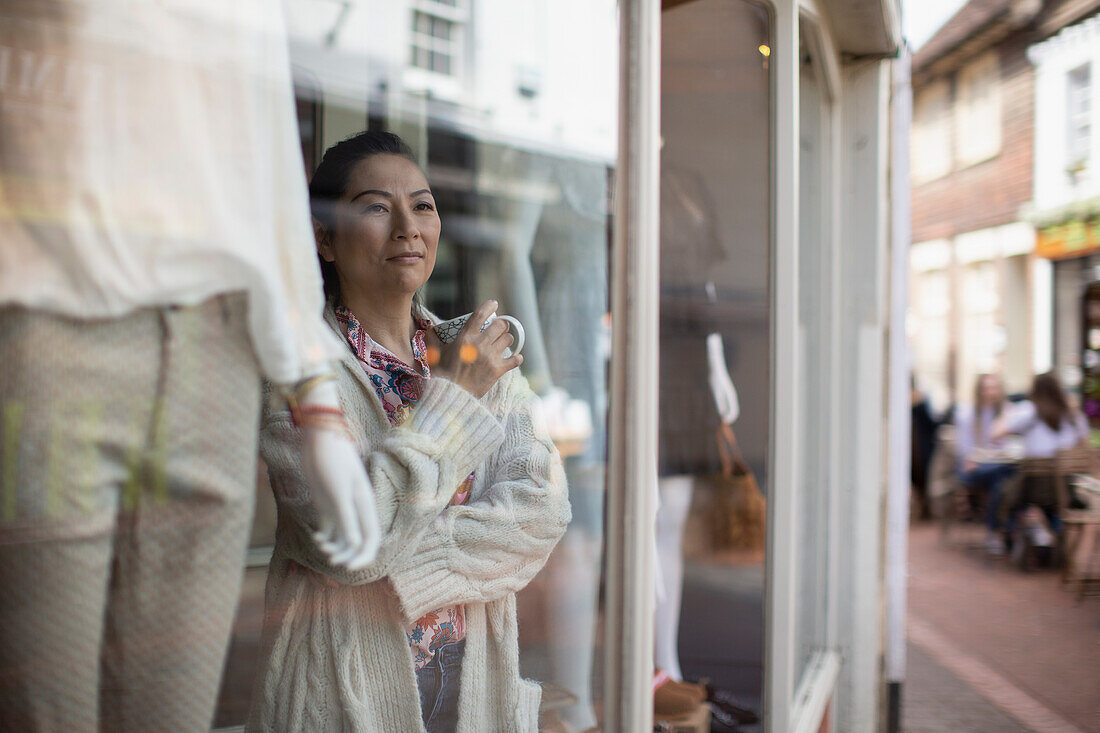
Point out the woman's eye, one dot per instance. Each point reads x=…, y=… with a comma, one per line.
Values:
x=425, y=206
x=376, y=208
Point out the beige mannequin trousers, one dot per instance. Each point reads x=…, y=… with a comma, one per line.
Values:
x=127, y=474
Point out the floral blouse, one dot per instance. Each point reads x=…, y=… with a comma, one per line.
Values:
x=399, y=386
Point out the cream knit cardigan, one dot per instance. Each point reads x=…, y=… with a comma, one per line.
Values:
x=334, y=656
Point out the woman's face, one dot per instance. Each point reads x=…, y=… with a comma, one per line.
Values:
x=990, y=392
x=387, y=229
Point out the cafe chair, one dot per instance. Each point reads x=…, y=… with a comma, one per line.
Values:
x=1046, y=483
x=1081, y=536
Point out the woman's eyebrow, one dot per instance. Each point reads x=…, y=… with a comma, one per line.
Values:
x=387, y=194
x=375, y=191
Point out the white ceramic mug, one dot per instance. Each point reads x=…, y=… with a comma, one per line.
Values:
x=448, y=330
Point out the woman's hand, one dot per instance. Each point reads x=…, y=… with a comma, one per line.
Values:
x=475, y=359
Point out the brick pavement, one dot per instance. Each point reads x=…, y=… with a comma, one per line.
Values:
x=935, y=701
x=995, y=648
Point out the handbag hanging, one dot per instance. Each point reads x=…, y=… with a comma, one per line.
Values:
x=740, y=510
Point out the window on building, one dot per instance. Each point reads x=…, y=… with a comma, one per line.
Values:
x=978, y=111
x=435, y=41
x=983, y=340
x=1078, y=113
x=931, y=333
x=931, y=141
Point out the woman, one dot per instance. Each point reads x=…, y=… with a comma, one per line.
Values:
x=1048, y=424
x=469, y=488
x=976, y=447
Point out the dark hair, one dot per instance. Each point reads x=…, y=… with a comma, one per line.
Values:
x=331, y=179
x=1050, y=400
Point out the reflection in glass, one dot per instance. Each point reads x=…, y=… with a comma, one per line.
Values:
x=715, y=263
x=511, y=110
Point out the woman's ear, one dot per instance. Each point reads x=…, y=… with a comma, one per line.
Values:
x=324, y=241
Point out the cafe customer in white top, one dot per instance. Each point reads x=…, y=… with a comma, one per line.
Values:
x=1048, y=424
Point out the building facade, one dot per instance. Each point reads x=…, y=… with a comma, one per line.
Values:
x=1066, y=210
x=981, y=301
x=973, y=132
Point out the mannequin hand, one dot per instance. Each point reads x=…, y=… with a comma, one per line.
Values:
x=721, y=385
x=475, y=359
x=349, y=531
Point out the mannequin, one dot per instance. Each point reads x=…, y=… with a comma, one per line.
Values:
x=570, y=254
x=675, y=503
x=691, y=349
x=692, y=318
x=177, y=279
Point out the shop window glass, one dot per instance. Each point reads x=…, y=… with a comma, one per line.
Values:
x=522, y=185
x=715, y=240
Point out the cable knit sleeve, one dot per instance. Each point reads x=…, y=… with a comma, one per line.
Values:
x=494, y=545
x=414, y=469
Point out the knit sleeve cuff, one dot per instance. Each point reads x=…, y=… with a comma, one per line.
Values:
x=427, y=584
x=458, y=423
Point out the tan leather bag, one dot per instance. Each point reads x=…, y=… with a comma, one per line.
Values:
x=740, y=510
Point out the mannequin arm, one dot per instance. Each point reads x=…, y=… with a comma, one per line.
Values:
x=721, y=384
x=342, y=494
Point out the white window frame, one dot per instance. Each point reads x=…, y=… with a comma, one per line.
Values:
x=632, y=449
x=846, y=671
x=799, y=704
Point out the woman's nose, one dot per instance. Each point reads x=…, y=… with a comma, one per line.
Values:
x=404, y=225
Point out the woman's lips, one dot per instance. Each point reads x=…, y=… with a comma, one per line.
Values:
x=407, y=258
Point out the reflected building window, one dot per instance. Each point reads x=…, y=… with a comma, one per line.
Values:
x=435, y=39
x=1079, y=119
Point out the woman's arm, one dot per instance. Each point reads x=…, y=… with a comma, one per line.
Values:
x=414, y=473
x=495, y=545
x=1014, y=420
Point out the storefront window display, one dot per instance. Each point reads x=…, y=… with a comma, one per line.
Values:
x=152, y=221
x=715, y=324
x=510, y=110
x=704, y=363
x=519, y=154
